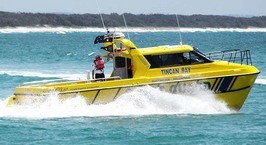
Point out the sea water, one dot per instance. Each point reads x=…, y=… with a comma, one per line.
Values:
x=142, y=116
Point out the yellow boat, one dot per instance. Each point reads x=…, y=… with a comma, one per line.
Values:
x=174, y=69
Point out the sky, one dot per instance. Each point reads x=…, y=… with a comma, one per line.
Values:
x=183, y=7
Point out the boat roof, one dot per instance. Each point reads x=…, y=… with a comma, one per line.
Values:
x=166, y=49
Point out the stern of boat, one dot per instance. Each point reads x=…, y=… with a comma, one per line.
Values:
x=28, y=94
x=11, y=100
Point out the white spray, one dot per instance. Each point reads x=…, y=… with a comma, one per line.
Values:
x=141, y=101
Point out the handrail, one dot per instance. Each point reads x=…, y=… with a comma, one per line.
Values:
x=43, y=81
x=235, y=56
x=105, y=79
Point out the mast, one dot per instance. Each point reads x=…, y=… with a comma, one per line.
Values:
x=179, y=30
x=126, y=25
x=100, y=15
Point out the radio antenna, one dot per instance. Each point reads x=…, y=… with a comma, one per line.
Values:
x=100, y=14
x=180, y=36
x=126, y=25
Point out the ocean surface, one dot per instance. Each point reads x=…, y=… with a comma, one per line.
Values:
x=143, y=116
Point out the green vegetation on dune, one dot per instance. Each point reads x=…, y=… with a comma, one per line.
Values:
x=8, y=19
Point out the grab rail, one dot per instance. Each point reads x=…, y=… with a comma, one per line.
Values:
x=105, y=79
x=235, y=56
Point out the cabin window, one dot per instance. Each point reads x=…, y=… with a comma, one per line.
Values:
x=196, y=57
x=120, y=62
x=176, y=59
x=165, y=60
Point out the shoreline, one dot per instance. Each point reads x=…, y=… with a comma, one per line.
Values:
x=122, y=29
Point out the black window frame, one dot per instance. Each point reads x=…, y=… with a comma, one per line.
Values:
x=157, y=61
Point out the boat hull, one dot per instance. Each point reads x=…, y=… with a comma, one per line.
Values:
x=176, y=69
x=233, y=90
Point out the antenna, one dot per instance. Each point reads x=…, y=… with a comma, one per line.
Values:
x=126, y=25
x=180, y=36
x=100, y=14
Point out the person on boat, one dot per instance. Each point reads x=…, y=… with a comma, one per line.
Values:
x=98, y=68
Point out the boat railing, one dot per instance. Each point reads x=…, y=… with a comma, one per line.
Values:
x=235, y=56
x=105, y=79
x=44, y=81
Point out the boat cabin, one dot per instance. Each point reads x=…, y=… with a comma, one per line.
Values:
x=131, y=62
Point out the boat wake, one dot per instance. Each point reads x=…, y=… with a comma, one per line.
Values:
x=141, y=101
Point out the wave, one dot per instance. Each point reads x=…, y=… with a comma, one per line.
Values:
x=64, y=30
x=141, y=101
x=44, y=75
x=260, y=81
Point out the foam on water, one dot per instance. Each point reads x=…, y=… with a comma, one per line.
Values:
x=141, y=101
x=260, y=81
x=64, y=30
x=44, y=75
